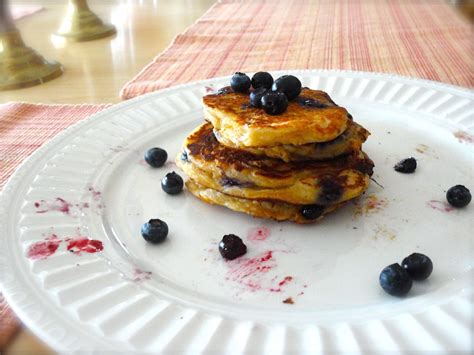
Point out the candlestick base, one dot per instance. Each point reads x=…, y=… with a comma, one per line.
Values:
x=21, y=66
x=81, y=24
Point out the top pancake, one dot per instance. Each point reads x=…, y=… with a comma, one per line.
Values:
x=230, y=114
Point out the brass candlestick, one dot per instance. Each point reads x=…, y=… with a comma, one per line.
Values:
x=81, y=24
x=21, y=66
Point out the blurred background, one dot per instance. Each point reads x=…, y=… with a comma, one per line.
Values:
x=95, y=71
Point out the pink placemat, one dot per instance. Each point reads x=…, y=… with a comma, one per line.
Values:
x=8, y=323
x=426, y=39
x=24, y=128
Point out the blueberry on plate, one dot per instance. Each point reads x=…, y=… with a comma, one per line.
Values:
x=156, y=157
x=406, y=166
x=395, y=280
x=289, y=85
x=274, y=103
x=231, y=247
x=172, y=183
x=418, y=266
x=458, y=196
x=256, y=97
x=154, y=231
x=262, y=79
x=311, y=212
x=240, y=82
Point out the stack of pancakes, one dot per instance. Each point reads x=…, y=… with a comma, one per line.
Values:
x=297, y=166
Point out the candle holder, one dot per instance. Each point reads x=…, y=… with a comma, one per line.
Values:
x=21, y=66
x=81, y=24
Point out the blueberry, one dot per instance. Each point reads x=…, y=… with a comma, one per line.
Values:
x=418, y=266
x=395, y=280
x=227, y=181
x=365, y=166
x=406, y=166
x=256, y=97
x=274, y=103
x=458, y=196
x=172, y=183
x=184, y=156
x=154, y=231
x=311, y=212
x=240, y=82
x=231, y=247
x=314, y=103
x=156, y=157
x=262, y=79
x=331, y=191
x=289, y=85
x=224, y=91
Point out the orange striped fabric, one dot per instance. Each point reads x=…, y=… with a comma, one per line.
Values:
x=8, y=323
x=25, y=127
x=427, y=39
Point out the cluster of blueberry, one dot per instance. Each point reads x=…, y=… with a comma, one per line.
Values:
x=458, y=196
x=272, y=96
x=155, y=230
x=397, y=279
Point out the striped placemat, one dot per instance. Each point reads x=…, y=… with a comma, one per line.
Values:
x=426, y=39
x=25, y=127
x=8, y=323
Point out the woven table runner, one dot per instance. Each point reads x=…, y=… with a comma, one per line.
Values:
x=25, y=127
x=424, y=39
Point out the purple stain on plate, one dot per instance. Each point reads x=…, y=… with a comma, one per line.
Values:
x=141, y=275
x=464, y=137
x=258, y=233
x=440, y=206
x=59, y=205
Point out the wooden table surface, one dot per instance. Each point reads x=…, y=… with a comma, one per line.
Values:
x=96, y=71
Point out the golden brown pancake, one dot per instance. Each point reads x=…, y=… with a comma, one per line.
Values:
x=279, y=211
x=349, y=141
x=311, y=117
x=241, y=174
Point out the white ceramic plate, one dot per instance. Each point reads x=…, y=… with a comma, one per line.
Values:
x=91, y=182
